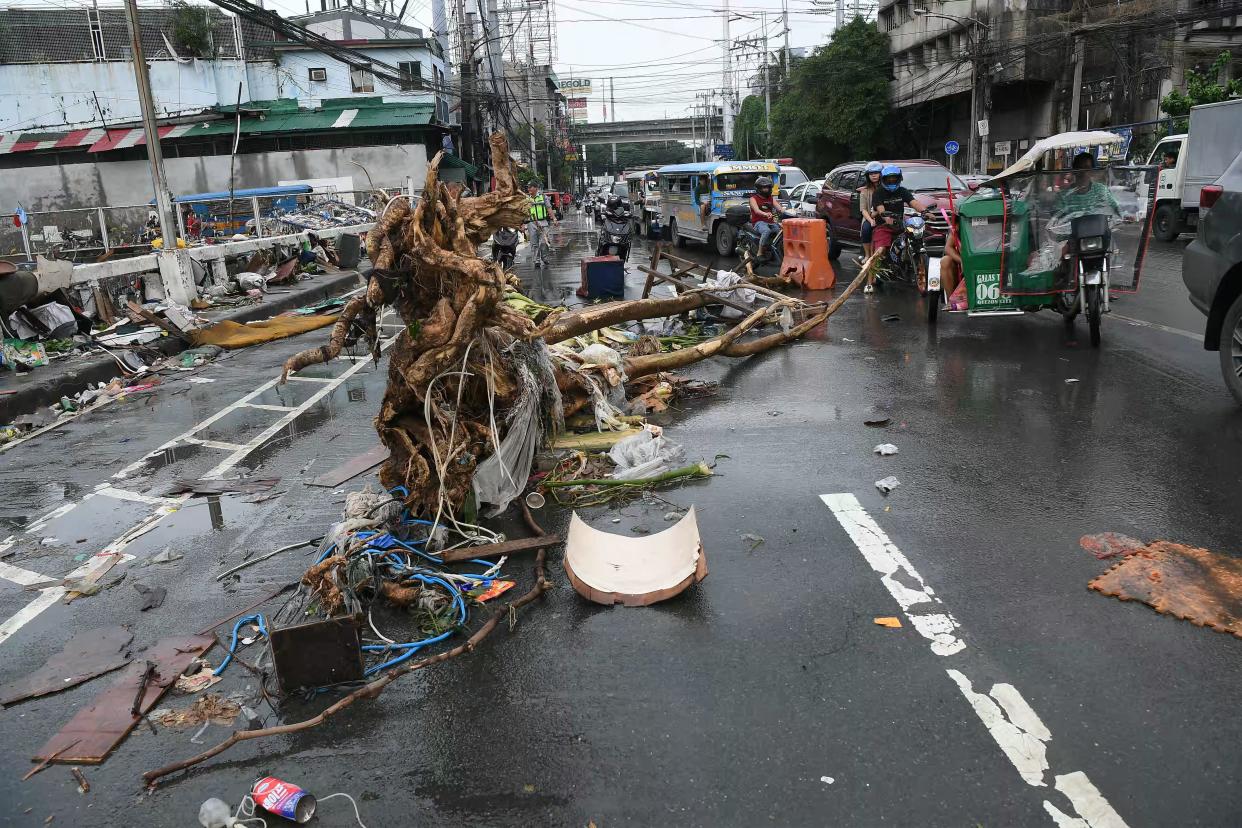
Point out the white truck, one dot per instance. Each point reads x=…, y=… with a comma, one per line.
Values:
x=1201, y=155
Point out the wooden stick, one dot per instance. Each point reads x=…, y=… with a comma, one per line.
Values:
x=495, y=550
x=373, y=688
x=641, y=366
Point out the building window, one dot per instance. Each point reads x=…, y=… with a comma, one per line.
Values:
x=317, y=73
x=411, y=74
x=361, y=80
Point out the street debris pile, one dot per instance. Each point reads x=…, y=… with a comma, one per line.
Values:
x=1195, y=585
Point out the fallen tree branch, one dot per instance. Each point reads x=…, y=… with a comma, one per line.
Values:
x=569, y=325
x=373, y=689
x=641, y=366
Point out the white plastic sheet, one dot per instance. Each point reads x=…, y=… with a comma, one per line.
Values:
x=644, y=455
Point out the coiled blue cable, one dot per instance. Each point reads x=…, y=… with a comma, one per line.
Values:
x=256, y=618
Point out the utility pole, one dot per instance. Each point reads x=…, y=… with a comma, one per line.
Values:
x=612, y=91
x=464, y=43
x=785, y=20
x=840, y=16
x=1076, y=92
x=548, y=142
x=530, y=108
x=727, y=85
x=767, y=87
x=163, y=199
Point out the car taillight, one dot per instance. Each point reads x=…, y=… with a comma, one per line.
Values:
x=1209, y=194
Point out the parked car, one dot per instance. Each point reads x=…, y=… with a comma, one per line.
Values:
x=803, y=197
x=1212, y=270
x=838, y=201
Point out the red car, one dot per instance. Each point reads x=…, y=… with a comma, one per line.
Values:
x=838, y=200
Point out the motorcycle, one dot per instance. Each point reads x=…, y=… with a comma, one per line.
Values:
x=907, y=262
x=775, y=252
x=615, y=235
x=504, y=247
x=1088, y=253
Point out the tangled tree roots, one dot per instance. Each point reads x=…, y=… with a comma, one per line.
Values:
x=462, y=364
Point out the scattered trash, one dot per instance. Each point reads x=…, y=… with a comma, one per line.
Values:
x=877, y=416
x=613, y=569
x=1107, y=545
x=1071, y=379
x=84, y=787
x=201, y=379
x=534, y=500
x=209, y=708
x=152, y=597
x=827, y=780
x=670, y=516
x=645, y=455
x=846, y=339
x=888, y=621
x=198, y=676
x=885, y=449
x=317, y=654
x=887, y=484
x=351, y=468
x=755, y=541
x=891, y=317
x=1195, y=585
x=284, y=799
x=86, y=655
x=167, y=556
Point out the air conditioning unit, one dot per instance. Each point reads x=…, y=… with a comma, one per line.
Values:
x=319, y=74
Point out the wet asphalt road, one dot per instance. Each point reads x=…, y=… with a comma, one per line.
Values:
x=738, y=702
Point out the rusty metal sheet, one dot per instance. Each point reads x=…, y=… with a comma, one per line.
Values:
x=1195, y=585
x=96, y=730
x=85, y=656
x=351, y=468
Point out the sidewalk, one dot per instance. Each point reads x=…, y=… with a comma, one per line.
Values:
x=44, y=386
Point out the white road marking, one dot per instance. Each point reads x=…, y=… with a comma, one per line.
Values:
x=266, y=407
x=937, y=626
x=1144, y=323
x=136, y=497
x=19, y=576
x=166, y=506
x=1012, y=723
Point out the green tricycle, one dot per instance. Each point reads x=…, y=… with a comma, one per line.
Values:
x=1065, y=239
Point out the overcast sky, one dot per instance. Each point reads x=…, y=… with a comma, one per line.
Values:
x=659, y=52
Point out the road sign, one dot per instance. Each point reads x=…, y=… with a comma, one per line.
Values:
x=1002, y=147
x=951, y=147
x=983, y=128
x=724, y=152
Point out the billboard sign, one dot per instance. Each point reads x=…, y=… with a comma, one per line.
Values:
x=576, y=86
x=576, y=103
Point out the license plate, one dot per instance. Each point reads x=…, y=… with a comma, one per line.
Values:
x=979, y=221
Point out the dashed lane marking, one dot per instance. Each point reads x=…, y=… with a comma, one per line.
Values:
x=1012, y=723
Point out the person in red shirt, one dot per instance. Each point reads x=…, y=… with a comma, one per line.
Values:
x=763, y=209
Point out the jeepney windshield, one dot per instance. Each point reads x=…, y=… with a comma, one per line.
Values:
x=738, y=182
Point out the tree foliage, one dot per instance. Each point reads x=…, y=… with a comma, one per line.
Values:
x=836, y=106
x=1202, y=88
x=638, y=154
x=191, y=28
x=750, y=129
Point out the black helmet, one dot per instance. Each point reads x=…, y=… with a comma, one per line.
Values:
x=763, y=185
x=614, y=202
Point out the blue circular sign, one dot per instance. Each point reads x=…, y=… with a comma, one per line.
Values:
x=951, y=147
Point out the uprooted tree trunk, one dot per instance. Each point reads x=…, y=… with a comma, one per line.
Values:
x=465, y=361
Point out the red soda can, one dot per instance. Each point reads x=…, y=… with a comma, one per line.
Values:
x=283, y=799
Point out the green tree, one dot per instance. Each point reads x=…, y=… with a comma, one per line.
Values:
x=836, y=105
x=635, y=155
x=1201, y=88
x=191, y=28
x=750, y=129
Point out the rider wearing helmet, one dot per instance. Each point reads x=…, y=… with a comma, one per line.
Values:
x=888, y=204
x=763, y=210
x=866, y=196
x=617, y=206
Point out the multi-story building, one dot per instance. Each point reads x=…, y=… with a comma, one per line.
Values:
x=1010, y=68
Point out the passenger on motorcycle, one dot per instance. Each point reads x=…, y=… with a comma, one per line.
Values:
x=763, y=212
x=888, y=205
x=866, y=196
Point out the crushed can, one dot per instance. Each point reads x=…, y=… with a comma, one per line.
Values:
x=284, y=799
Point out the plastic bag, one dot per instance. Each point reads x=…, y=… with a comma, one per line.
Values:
x=728, y=278
x=598, y=354
x=645, y=455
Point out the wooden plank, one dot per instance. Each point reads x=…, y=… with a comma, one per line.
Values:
x=351, y=468
x=495, y=550
x=97, y=729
